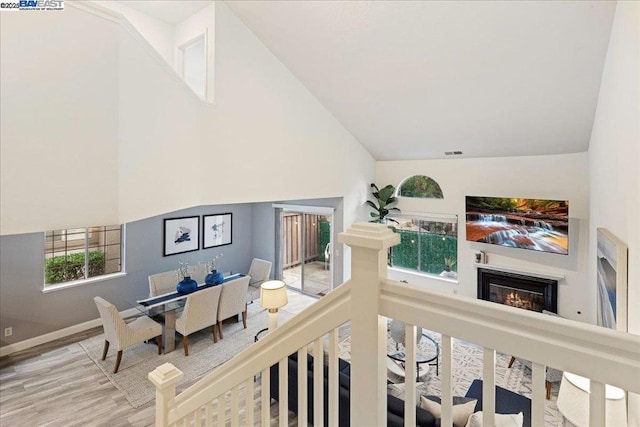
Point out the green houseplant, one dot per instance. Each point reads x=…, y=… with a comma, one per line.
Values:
x=449, y=262
x=384, y=202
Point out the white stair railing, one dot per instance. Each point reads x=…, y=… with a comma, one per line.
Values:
x=368, y=299
x=209, y=395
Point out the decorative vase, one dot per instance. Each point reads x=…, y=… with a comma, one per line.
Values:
x=187, y=285
x=214, y=278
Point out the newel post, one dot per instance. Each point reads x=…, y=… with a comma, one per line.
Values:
x=369, y=243
x=165, y=378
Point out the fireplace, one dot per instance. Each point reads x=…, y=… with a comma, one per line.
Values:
x=517, y=290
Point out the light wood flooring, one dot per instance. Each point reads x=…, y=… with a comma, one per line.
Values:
x=56, y=384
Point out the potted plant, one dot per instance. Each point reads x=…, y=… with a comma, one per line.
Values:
x=449, y=262
x=384, y=202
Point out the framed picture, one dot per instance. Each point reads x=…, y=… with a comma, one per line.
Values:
x=611, y=277
x=181, y=235
x=216, y=230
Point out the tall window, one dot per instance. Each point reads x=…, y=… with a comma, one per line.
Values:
x=428, y=244
x=194, y=65
x=81, y=253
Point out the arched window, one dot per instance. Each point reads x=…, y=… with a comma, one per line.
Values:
x=420, y=186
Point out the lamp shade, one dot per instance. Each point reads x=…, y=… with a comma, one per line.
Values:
x=273, y=294
x=573, y=402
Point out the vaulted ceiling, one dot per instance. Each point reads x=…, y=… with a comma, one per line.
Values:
x=411, y=80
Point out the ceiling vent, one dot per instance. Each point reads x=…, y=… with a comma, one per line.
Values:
x=453, y=153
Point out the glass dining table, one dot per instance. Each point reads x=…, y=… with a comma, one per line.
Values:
x=167, y=306
x=166, y=312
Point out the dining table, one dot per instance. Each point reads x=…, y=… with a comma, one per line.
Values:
x=168, y=305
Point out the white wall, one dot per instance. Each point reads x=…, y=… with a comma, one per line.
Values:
x=267, y=138
x=59, y=121
x=158, y=33
x=614, y=150
x=161, y=128
x=557, y=177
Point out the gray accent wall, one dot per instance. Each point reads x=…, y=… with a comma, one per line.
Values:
x=32, y=313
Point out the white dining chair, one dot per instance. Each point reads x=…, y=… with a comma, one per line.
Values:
x=200, y=311
x=233, y=301
x=199, y=272
x=163, y=283
x=259, y=272
x=123, y=335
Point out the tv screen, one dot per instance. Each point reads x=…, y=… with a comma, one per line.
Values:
x=539, y=225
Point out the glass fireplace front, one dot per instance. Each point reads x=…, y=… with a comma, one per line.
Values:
x=517, y=290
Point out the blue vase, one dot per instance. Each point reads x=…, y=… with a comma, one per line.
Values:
x=187, y=285
x=214, y=278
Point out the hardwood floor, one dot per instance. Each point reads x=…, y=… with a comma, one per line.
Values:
x=56, y=384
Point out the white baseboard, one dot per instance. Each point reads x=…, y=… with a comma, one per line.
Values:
x=61, y=333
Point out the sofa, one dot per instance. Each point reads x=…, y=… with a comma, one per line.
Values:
x=395, y=406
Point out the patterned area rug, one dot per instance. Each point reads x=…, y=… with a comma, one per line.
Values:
x=204, y=356
x=467, y=366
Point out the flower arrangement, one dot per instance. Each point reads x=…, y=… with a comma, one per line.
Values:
x=183, y=270
x=213, y=264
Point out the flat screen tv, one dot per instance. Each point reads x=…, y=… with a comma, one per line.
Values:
x=539, y=225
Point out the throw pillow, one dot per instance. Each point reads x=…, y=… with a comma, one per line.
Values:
x=463, y=407
x=397, y=390
x=502, y=420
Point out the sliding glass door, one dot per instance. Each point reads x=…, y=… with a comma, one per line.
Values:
x=305, y=249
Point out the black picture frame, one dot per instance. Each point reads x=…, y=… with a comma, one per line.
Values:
x=181, y=235
x=217, y=230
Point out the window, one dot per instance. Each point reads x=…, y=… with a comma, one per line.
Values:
x=428, y=244
x=194, y=65
x=82, y=253
x=420, y=186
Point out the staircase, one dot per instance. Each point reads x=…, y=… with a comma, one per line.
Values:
x=603, y=355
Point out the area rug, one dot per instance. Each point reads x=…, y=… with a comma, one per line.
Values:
x=467, y=366
x=204, y=356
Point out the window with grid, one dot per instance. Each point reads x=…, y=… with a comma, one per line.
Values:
x=428, y=243
x=81, y=253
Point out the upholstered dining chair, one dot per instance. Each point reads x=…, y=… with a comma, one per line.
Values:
x=199, y=272
x=259, y=272
x=163, y=283
x=200, y=311
x=123, y=335
x=233, y=301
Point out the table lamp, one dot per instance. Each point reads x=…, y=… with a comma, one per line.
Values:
x=573, y=402
x=273, y=295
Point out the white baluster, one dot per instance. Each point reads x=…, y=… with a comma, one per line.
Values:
x=249, y=402
x=489, y=387
x=410, y=375
x=334, y=393
x=283, y=392
x=597, y=404
x=447, y=383
x=222, y=403
x=318, y=383
x=208, y=415
x=265, y=397
x=538, y=395
x=303, y=397
x=235, y=404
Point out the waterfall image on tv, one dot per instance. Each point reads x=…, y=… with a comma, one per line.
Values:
x=539, y=225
